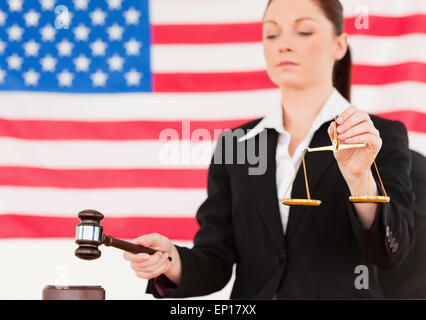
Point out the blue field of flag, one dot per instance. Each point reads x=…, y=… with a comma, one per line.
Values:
x=76, y=46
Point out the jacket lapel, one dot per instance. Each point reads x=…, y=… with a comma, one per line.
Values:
x=265, y=192
x=317, y=163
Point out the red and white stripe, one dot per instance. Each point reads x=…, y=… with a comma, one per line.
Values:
x=208, y=67
x=62, y=153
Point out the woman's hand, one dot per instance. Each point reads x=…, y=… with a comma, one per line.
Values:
x=355, y=126
x=148, y=266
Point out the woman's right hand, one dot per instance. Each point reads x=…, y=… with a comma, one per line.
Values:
x=148, y=266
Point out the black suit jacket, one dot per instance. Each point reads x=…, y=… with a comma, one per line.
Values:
x=409, y=280
x=322, y=247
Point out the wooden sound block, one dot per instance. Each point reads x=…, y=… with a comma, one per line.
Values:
x=373, y=199
x=73, y=293
x=301, y=202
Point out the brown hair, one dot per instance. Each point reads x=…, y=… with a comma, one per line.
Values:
x=342, y=71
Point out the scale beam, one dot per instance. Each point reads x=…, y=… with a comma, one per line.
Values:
x=336, y=146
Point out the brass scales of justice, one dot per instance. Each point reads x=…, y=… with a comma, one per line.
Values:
x=336, y=146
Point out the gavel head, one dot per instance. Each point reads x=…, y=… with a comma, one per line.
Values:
x=88, y=235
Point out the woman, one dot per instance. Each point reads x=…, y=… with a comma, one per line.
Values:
x=282, y=252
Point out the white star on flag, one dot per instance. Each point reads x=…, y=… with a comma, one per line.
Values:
x=15, y=32
x=14, y=62
x=133, y=77
x=2, y=46
x=48, y=33
x=132, y=47
x=2, y=75
x=132, y=16
x=31, y=48
x=64, y=48
x=65, y=78
x=115, y=63
x=114, y=4
x=98, y=17
x=82, y=63
x=31, y=18
x=115, y=32
x=99, y=78
x=81, y=32
x=81, y=4
x=15, y=5
x=98, y=47
x=31, y=77
x=48, y=63
x=47, y=4
x=3, y=17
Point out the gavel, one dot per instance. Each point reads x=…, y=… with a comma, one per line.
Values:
x=89, y=236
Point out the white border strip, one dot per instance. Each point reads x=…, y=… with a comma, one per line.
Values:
x=106, y=154
x=374, y=51
x=382, y=51
x=120, y=155
x=137, y=106
x=194, y=106
x=111, y=202
x=206, y=11
x=230, y=11
x=208, y=58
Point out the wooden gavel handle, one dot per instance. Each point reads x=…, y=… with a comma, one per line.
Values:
x=127, y=246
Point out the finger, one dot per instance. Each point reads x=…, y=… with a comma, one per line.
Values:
x=360, y=128
x=353, y=120
x=136, y=257
x=375, y=141
x=147, y=240
x=149, y=275
x=126, y=256
x=346, y=114
x=150, y=266
x=331, y=132
x=161, y=269
x=151, y=260
x=153, y=268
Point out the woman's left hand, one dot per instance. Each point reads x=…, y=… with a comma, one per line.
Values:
x=355, y=126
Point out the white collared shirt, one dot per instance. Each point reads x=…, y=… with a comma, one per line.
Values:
x=286, y=165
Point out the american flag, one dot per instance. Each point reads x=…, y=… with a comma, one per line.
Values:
x=89, y=90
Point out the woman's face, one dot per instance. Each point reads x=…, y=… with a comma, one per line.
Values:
x=298, y=31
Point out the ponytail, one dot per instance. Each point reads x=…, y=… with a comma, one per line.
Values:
x=342, y=75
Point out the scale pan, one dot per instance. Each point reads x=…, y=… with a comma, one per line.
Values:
x=374, y=199
x=301, y=202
